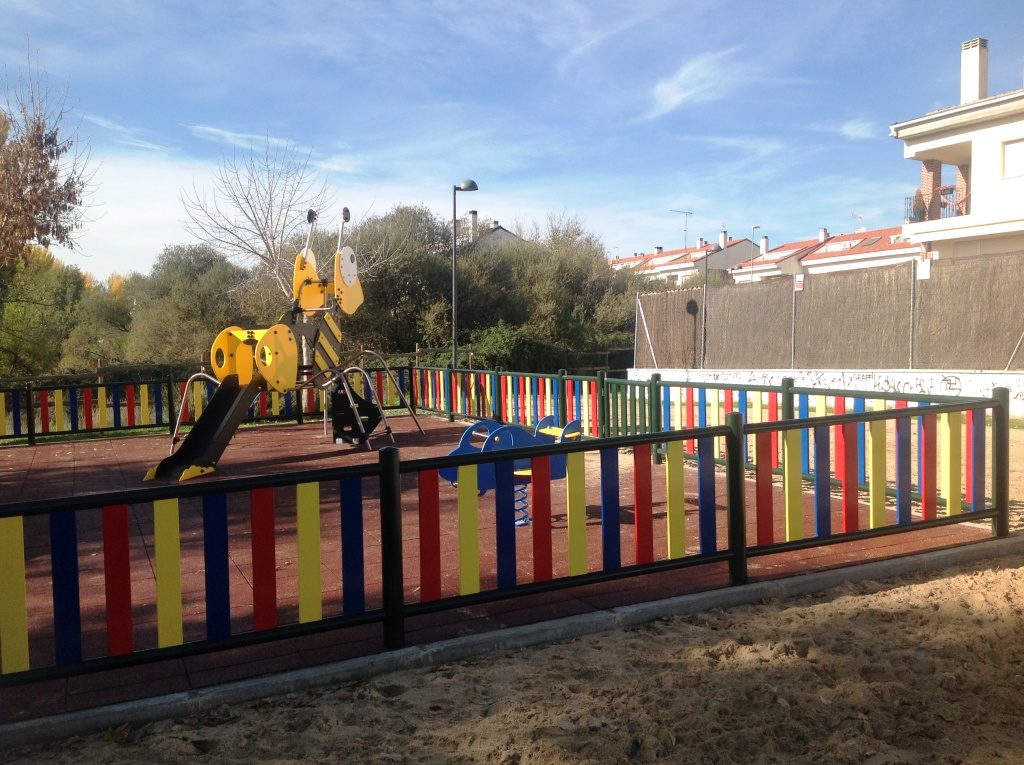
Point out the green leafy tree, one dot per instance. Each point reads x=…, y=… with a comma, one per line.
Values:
x=37, y=313
x=44, y=171
x=191, y=294
x=103, y=320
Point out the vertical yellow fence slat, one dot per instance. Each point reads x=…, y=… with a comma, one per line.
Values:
x=469, y=532
x=197, y=399
x=60, y=420
x=951, y=449
x=275, y=403
x=675, y=500
x=585, y=407
x=307, y=522
x=3, y=415
x=792, y=485
x=576, y=500
x=876, y=475
x=167, y=541
x=101, y=406
x=145, y=418
x=13, y=596
x=821, y=406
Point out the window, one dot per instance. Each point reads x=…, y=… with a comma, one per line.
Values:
x=1013, y=159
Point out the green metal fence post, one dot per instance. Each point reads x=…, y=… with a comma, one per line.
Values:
x=496, y=395
x=786, y=394
x=392, y=578
x=602, y=404
x=1001, y=461
x=736, y=507
x=654, y=411
x=563, y=405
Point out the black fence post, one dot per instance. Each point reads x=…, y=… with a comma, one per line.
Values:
x=1001, y=461
x=449, y=393
x=392, y=577
x=298, y=405
x=736, y=506
x=496, y=395
x=654, y=412
x=30, y=414
x=787, y=398
x=171, y=418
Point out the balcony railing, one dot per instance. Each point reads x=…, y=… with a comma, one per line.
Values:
x=946, y=202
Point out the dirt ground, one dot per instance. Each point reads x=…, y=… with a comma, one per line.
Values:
x=920, y=669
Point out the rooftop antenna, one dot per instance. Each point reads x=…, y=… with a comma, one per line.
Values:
x=686, y=220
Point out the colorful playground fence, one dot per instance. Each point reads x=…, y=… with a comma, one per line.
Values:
x=70, y=410
x=342, y=528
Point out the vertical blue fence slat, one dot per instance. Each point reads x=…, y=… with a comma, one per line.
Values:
x=708, y=530
x=353, y=589
x=67, y=616
x=215, y=555
x=158, y=403
x=977, y=488
x=743, y=413
x=505, y=523
x=903, y=484
x=822, y=483
x=16, y=412
x=115, y=404
x=666, y=409
x=610, y=511
x=73, y=404
x=702, y=407
x=862, y=473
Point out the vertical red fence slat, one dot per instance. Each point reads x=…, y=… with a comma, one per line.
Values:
x=773, y=415
x=643, y=521
x=117, y=580
x=848, y=477
x=690, y=444
x=129, y=397
x=264, y=559
x=542, y=554
x=44, y=411
x=763, y=489
x=87, y=407
x=430, y=536
x=927, y=483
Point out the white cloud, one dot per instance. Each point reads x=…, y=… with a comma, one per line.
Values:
x=126, y=136
x=233, y=138
x=856, y=129
x=707, y=77
x=136, y=211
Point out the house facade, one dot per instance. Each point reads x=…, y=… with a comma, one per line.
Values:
x=972, y=168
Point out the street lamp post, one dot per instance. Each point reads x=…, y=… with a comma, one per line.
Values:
x=466, y=185
x=753, y=246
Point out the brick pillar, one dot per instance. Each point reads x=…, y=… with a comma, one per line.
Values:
x=963, y=189
x=931, y=179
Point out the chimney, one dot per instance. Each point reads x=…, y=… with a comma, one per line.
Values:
x=764, y=245
x=658, y=250
x=473, y=231
x=700, y=243
x=723, y=237
x=973, y=70
x=822, y=234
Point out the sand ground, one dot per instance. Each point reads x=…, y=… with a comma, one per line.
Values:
x=927, y=668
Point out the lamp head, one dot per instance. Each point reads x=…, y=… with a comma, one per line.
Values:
x=467, y=185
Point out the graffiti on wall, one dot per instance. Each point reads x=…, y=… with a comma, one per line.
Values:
x=919, y=382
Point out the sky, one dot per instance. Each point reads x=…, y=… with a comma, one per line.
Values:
x=745, y=114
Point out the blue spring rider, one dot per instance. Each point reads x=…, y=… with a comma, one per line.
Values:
x=496, y=437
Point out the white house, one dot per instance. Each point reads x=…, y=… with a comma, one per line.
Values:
x=972, y=167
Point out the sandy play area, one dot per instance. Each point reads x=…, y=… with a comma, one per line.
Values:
x=928, y=668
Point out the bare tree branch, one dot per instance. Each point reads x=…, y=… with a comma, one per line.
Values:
x=257, y=204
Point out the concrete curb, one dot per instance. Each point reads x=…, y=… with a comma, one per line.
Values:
x=456, y=649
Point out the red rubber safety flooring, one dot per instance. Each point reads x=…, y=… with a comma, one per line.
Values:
x=109, y=464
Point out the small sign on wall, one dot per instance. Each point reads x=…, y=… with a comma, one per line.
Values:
x=798, y=282
x=924, y=268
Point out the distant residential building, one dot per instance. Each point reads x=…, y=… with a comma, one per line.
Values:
x=972, y=167
x=676, y=266
x=492, y=236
